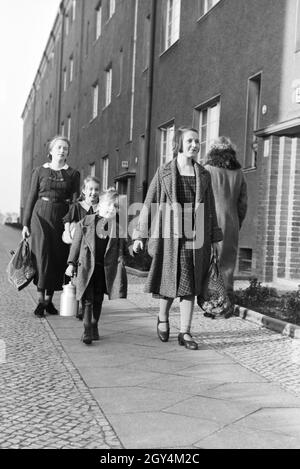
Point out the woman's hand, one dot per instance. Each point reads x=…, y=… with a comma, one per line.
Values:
x=25, y=232
x=138, y=246
x=70, y=270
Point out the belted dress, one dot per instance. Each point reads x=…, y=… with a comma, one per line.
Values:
x=48, y=202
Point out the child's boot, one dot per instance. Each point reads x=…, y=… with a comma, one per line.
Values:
x=87, y=325
x=95, y=331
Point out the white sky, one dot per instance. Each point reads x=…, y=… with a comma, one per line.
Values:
x=24, y=29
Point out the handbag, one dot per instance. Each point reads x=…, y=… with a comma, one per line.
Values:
x=72, y=232
x=21, y=269
x=214, y=301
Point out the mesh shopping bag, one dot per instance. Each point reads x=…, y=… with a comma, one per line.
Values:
x=20, y=269
x=214, y=301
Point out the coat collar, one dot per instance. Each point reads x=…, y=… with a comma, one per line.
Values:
x=169, y=174
x=47, y=165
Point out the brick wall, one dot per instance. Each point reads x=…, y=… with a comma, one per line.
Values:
x=277, y=254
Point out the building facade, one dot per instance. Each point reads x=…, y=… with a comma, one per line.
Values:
x=118, y=75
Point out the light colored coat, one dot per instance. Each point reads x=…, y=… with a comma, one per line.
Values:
x=230, y=191
x=162, y=278
x=82, y=253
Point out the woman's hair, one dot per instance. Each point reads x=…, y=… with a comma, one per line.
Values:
x=178, y=139
x=52, y=142
x=222, y=153
x=109, y=193
x=85, y=182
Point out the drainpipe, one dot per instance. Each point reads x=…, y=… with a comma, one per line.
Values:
x=149, y=99
x=60, y=65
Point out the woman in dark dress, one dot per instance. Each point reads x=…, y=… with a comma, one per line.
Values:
x=183, y=233
x=53, y=187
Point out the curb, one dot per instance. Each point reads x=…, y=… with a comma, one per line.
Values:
x=277, y=325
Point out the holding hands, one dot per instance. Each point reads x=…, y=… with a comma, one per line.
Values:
x=70, y=271
x=138, y=246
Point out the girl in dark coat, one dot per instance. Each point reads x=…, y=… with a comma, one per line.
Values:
x=54, y=185
x=183, y=232
x=97, y=253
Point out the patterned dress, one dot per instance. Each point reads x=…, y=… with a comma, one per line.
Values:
x=186, y=189
x=48, y=202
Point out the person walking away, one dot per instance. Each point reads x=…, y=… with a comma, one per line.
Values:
x=230, y=191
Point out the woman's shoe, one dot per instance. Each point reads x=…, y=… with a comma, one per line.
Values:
x=87, y=335
x=163, y=335
x=39, y=310
x=50, y=308
x=189, y=344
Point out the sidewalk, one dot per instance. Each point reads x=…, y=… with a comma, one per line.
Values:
x=241, y=389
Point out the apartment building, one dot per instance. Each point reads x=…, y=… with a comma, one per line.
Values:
x=118, y=75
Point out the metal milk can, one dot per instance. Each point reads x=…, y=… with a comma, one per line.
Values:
x=68, y=302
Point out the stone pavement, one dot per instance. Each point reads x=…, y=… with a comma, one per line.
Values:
x=129, y=390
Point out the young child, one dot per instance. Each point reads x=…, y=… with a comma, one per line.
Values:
x=98, y=252
x=87, y=203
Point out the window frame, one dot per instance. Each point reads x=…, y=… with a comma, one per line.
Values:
x=95, y=100
x=105, y=172
x=170, y=29
x=204, y=8
x=99, y=14
x=198, y=124
x=108, y=86
x=165, y=144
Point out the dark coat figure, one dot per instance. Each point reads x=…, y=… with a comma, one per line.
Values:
x=230, y=191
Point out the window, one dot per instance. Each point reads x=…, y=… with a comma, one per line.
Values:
x=121, y=63
x=95, y=100
x=73, y=10
x=71, y=68
x=67, y=24
x=252, y=121
x=111, y=8
x=87, y=40
x=171, y=22
x=93, y=169
x=69, y=128
x=245, y=261
x=166, y=143
x=65, y=79
x=146, y=44
x=105, y=173
x=205, y=6
x=298, y=27
x=108, y=87
x=207, y=120
x=98, y=21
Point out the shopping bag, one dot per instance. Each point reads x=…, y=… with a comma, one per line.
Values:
x=20, y=269
x=214, y=301
x=65, y=237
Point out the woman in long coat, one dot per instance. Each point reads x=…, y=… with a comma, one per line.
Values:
x=180, y=205
x=53, y=186
x=230, y=191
